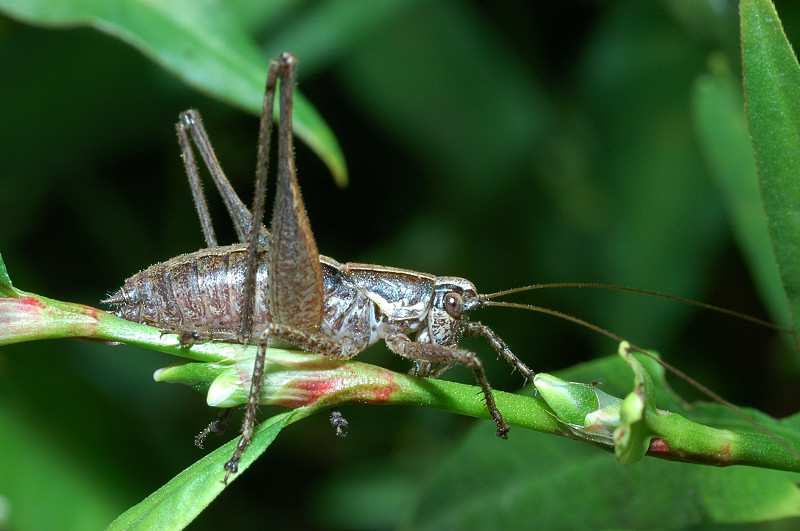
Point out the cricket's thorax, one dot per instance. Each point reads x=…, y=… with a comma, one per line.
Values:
x=201, y=293
x=382, y=301
x=366, y=303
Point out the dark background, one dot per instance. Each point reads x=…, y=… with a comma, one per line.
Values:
x=508, y=144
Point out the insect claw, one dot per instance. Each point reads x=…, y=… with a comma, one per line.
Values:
x=231, y=467
x=187, y=338
x=502, y=430
x=216, y=426
x=339, y=422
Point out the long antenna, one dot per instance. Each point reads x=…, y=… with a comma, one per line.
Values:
x=690, y=302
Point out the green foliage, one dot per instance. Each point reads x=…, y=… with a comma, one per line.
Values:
x=177, y=503
x=772, y=87
x=6, y=289
x=725, y=141
x=202, y=43
x=556, y=484
x=487, y=142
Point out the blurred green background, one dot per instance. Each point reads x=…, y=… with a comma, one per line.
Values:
x=508, y=143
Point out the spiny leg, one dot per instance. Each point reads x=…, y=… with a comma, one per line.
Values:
x=217, y=426
x=305, y=340
x=403, y=346
x=190, y=121
x=294, y=272
x=310, y=342
x=232, y=466
x=478, y=329
x=259, y=198
x=251, y=268
x=190, y=126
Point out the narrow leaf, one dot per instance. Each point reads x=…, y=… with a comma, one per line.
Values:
x=772, y=93
x=177, y=503
x=6, y=289
x=200, y=42
x=721, y=128
x=632, y=437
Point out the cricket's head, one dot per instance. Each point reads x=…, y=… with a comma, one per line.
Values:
x=453, y=298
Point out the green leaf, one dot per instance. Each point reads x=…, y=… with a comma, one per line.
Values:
x=772, y=93
x=632, y=437
x=177, y=503
x=721, y=127
x=570, y=402
x=200, y=42
x=6, y=289
x=571, y=486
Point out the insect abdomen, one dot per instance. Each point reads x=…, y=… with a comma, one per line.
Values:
x=199, y=293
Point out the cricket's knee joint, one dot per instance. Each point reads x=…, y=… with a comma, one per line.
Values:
x=268, y=331
x=287, y=60
x=188, y=118
x=473, y=362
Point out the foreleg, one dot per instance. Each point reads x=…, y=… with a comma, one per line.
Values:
x=403, y=346
x=478, y=329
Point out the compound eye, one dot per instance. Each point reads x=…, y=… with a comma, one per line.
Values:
x=452, y=304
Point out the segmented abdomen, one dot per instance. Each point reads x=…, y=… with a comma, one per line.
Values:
x=200, y=293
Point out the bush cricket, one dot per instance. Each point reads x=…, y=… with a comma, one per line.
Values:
x=275, y=284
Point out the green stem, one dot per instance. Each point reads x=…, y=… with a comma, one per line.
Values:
x=679, y=439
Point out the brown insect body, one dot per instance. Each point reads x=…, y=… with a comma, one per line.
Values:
x=201, y=294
